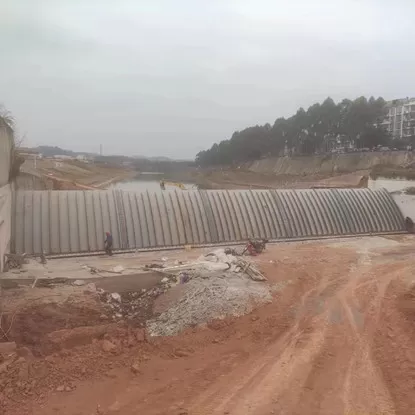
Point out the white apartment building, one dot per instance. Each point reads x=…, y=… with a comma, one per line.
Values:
x=400, y=118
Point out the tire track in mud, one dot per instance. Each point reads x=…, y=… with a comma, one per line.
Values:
x=280, y=372
x=321, y=365
x=264, y=378
x=314, y=350
x=364, y=389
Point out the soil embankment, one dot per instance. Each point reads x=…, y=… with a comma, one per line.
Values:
x=332, y=170
x=338, y=170
x=242, y=179
x=70, y=175
x=330, y=163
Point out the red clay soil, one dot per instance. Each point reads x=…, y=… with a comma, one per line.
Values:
x=337, y=339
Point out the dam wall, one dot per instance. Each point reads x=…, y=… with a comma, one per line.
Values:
x=72, y=222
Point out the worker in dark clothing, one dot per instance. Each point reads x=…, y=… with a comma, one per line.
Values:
x=409, y=224
x=108, y=243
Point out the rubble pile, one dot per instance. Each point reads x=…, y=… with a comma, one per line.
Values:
x=134, y=306
x=215, y=286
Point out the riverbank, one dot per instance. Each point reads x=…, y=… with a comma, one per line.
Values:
x=393, y=172
x=344, y=170
x=328, y=164
x=70, y=175
x=241, y=179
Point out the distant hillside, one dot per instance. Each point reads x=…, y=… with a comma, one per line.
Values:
x=50, y=151
x=320, y=129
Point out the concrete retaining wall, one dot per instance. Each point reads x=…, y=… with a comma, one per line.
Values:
x=5, y=222
x=28, y=181
x=6, y=145
x=63, y=222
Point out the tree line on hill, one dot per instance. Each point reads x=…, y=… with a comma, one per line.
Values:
x=319, y=129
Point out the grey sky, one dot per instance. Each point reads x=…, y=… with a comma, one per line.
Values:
x=171, y=77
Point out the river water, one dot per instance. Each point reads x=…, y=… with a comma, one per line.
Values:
x=391, y=185
x=145, y=184
x=152, y=184
x=396, y=187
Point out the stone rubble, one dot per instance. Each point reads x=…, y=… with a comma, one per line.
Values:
x=215, y=286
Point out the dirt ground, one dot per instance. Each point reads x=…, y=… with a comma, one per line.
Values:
x=74, y=174
x=240, y=179
x=338, y=338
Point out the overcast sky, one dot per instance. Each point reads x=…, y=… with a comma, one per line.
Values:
x=171, y=77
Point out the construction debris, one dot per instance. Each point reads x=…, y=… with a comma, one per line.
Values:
x=255, y=246
x=218, y=260
x=51, y=282
x=94, y=270
x=151, y=266
x=15, y=261
x=207, y=298
x=116, y=297
x=213, y=286
x=133, y=306
x=216, y=285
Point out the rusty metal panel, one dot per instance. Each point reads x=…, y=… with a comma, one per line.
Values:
x=60, y=222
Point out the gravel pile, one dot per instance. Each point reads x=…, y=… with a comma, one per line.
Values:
x=209, y=296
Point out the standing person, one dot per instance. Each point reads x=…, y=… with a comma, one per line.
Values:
x=108, y=243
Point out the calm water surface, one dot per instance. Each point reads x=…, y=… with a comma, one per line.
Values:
x=391, y=185
x=142, y=185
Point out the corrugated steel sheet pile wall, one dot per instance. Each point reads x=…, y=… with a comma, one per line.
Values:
x=60, y=222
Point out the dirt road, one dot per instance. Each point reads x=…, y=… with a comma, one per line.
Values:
x=338, y=338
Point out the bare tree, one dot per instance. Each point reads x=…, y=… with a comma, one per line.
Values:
x=7, y=121
x=6, y=118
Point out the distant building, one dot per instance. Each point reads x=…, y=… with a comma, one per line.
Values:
x=399, y=121
x=337, y=144
x=28, y=153
x=63, y=157
x=83, y=158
